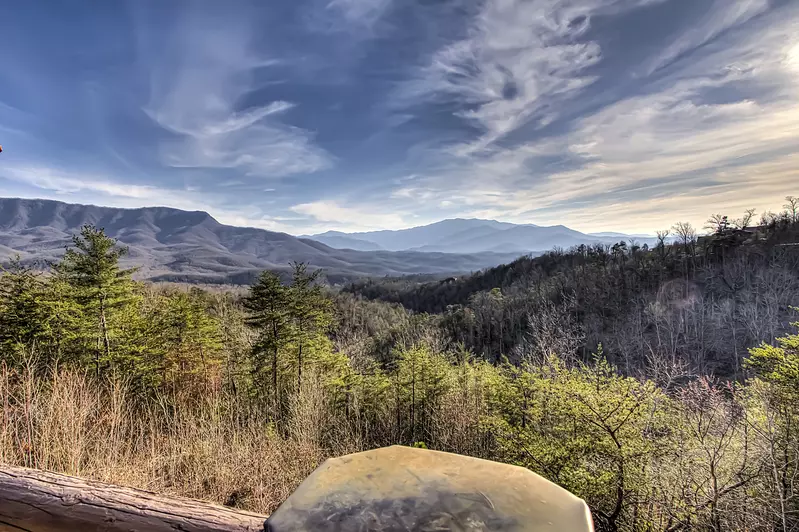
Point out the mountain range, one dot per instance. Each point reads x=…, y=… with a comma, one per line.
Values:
x=472, y=236
x=171, y=244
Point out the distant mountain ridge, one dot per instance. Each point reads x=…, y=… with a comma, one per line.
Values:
x=171, y=244
x=339, y=240
x=473, y=235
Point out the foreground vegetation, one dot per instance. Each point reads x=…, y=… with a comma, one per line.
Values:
x=236, y=395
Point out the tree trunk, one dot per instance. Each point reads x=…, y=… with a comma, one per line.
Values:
x=413, y=400
x=275, y=391
x=104, y=326
x=36, y=501
x=301, y=337
x=299, y=367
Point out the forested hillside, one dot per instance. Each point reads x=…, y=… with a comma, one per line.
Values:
x=660, y=384
x=687, y=306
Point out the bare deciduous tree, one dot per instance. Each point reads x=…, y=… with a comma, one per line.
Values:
x=746, y=220
x=792, y=207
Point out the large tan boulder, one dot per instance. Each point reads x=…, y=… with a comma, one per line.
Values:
x=403, y=488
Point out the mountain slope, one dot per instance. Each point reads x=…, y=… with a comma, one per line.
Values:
x=339, y=240
x=418, y=237
x=181, y=245
x=520, y=237
x=474, y=236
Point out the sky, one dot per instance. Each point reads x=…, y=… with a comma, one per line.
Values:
x=310, y=115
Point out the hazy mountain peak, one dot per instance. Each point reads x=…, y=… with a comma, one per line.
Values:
x=468, y=235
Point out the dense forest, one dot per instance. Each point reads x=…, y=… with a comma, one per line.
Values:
x=661, y=385
x=693, y=303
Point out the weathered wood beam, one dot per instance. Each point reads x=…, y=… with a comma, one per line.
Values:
x=35, y=501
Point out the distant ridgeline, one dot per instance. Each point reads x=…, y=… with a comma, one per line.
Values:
x=167, y=244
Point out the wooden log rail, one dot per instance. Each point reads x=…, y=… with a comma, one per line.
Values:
x=35, y=501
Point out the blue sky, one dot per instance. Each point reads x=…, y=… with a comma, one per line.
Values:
x=308, y=115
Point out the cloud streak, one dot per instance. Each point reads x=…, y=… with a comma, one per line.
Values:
x=330, y=215
x=360, y=12
x=197, y=93
x=722, y=16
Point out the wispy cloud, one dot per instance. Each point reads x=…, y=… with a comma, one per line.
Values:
x=348, y=218
x=198, y=93
x=360, y=12
x=66, y=183
x=720, y=17
x=521, y=59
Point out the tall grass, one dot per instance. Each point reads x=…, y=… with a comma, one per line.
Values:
x=213, y=445
x=200, y=448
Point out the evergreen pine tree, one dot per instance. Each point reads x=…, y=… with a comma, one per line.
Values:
x=102, y=288
x=22, y=315
x=189, y=336
x=268, y=310
x=311, y=314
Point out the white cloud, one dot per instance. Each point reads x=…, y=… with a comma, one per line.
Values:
x=64, y=182
x=761, y=185
x=198, y=88
x=345, y=218
x=364, y=12
x=722, y=15
x=73, y=186
x=521, y=59
x=792, y=58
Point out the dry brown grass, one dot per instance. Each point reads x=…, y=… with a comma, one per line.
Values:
x=209, y=446
x=203, y=449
